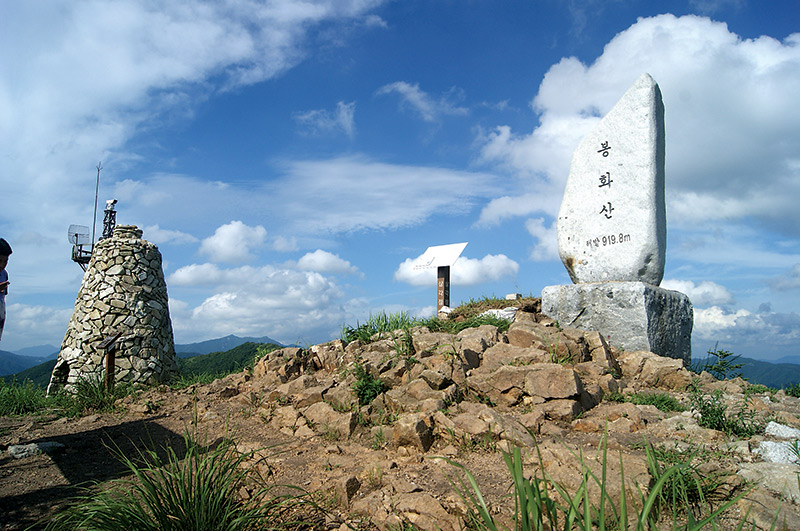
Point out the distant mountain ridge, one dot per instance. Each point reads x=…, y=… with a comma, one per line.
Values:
x=221, y=344
x=11, y=363
x=39, y=351
x=224, y=358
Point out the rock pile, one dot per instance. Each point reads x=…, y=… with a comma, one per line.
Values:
x=123, y=292
x=536, y=386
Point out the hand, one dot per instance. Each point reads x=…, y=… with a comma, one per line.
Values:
x=4, y=285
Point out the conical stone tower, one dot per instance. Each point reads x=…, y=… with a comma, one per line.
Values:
x=123, y=292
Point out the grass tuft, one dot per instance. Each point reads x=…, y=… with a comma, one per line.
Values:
x=199, y=490
x=543, y=504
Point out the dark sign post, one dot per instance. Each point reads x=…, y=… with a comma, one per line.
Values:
x=441, y=257
x=442, y=287
x=107, y=349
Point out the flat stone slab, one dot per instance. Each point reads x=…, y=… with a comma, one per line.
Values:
x=612, y=221
x=21, y=451
x=630, y=315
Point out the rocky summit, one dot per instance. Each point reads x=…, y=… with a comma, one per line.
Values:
x=564, y=396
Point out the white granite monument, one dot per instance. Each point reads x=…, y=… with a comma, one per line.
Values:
x=612, y=233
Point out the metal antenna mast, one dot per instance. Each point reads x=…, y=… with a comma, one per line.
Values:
x=96, y=190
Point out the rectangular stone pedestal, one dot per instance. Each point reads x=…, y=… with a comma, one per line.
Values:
x=630, y=315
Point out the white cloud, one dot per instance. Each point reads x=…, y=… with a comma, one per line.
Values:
x=233, y=242
x=465, y=271
x=706, y=293
x=546, y=246
x=374, y=21
x=198, y=275
x=84, y=77
x=732, y=126
x=753, y=332
x=284, y=244
x=29, y=325
x=325, y=262
x=429, y=109
x=352, y=193
x=322, y=121
x=315, y=196
x=713, y=322
x=157, y=235
x=282, y=303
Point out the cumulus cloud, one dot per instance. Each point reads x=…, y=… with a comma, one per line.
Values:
x=325, y=262
x=282, y=303
x=730, y=116
x=323, y=121
x=233, y=242
x=429, y=108
x=748, y=331
x=706, y=293
x=465, y=271
x=712, y=322
x=29, y=325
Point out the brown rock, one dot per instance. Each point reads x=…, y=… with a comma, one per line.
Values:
x=415, y=430
x=425, y=512
x=550, y=380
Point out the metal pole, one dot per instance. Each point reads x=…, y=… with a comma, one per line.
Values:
x=96, y=190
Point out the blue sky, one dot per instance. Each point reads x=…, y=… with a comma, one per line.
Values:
x=291, y=159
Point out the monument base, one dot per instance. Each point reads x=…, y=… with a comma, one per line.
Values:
x=630, y=315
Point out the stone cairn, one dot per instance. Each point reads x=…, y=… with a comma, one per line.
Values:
x=123, y=294
x=612, y=233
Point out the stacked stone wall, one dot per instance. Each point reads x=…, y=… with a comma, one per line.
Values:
x=123, y=292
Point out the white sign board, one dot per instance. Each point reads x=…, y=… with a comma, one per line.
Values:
x=439, y=255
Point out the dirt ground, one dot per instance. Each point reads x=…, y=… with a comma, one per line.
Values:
x=32, y=489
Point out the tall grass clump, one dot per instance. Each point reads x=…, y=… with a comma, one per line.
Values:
x=198, y=491
x=90, y=396
x=452, y=326
x=542, y=504
x=184, y=380
x=381, y=324
x=21, y=398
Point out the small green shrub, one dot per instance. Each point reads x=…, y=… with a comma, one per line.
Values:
x=662, y=401
x=714, y=415
x=719, y=363
x=366, y=387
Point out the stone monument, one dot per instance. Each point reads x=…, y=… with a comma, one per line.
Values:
x=612, y=233
x=124, y=296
